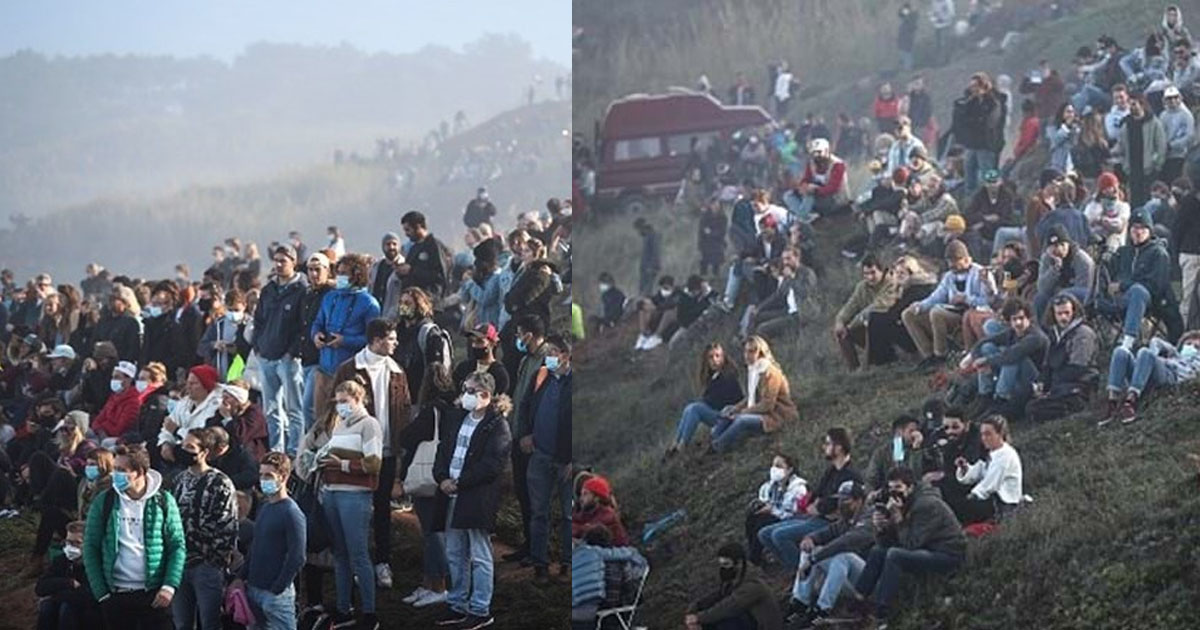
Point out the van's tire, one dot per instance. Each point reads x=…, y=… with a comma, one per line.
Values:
x=633, y=204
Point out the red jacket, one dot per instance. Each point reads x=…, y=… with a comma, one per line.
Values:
x=1030, y=127
x=833, y=184
x=888, y=109
x=583, y=520
x=119, y=414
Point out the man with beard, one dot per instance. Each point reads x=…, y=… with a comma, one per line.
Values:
x=824, y=187
x=1067, y=374
x=172, y=330
x=423, y=267
x=836, y=558
x=741, y=601
x=957, y=438
x=382, y=270
x=421, y=341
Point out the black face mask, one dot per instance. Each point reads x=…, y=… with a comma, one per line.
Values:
x=476, y=354
x=206, y=305
x=185, y=457
x=728, y=574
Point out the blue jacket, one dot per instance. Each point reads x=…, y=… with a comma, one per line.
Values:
x=978, y=292
x=1070, y=218
x=587, y=570
x=277, y=318
x=488, y=299
x=344, y=312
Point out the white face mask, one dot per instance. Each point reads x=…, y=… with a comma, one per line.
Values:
x=778, y=474
x=72, y=552
x=235, y=316
x=605, y=287
x=470, y=402
x=665, y=292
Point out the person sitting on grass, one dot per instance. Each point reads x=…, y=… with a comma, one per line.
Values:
x=717, y=378
x=779, y=311
x=1006, y=361
x=598, y=508
x=904, y=449
x=590, y=559
x=1158, y=364
x=1141, y=282
x=836, y=557
x=657, y=314
x=1066, y=372
x=850, y=323
x=930, y=321
x=915, y=532
x=1064, y=266
x=777, y=500
x=612, y=301
x=996, y=481
x=66, y=598
x=957, y=438
x=741, y=601
x=768, y=403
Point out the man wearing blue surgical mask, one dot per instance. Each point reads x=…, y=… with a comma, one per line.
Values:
x=278, y=550
x=531, y=347
x=545, y=436
x=1159, y=364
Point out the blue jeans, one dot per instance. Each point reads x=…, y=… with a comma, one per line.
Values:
x=1146, y=370
x=271, y=611
x=58, y=615
x=1135, y=301
x=282, y=381
x=727, y=432
x=544, y=476
x=841, y=571
x=433, y=556
x=1008, y=382
x=1006, y=235
x=201, y=590
x=885, y=565
x=783, y=538
x=738, y=271
x=349, y=516
x=694, y=415
x=469, y=555
x=1042, y=300
x=1089, y=94
x=978, y=161
x=307, y=401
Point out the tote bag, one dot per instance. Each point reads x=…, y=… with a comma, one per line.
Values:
x=419, y=480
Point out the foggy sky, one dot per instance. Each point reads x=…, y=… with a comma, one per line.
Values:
x=222, y=28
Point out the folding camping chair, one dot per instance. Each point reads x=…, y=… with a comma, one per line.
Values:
x=624, y=614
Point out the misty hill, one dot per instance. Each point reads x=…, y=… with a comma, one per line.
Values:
x=73, y=129
x=522, y=155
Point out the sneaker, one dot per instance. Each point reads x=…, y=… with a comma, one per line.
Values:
x=814, y=618
x=417, y=593
x=1128, y=411
x=849, y=254
x=1110, y=413
x=450, y=618
x=430, y=598
x=641, y=342
x=474, y=622
x=652, y=342
x=383, y=575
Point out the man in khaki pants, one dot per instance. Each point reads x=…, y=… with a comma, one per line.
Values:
x=931, y=321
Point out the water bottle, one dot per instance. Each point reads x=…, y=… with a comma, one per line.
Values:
x=653, y=530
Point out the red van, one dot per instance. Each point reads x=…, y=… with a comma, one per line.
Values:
x=645, y=139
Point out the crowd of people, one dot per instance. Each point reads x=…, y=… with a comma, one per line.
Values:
x=201, y=452
x=1013, y=269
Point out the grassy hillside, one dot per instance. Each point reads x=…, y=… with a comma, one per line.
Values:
x=1109, y=541
x=147, y=236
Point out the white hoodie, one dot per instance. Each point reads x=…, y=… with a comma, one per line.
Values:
x=129, y=572
x=190, y=415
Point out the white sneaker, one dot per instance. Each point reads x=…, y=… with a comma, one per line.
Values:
x=430, y=598
x=652, y=342
x=418, y=593
x=383, y=575
x=641, y=343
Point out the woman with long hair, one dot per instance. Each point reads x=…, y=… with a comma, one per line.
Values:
x=1091, y=151
x=768, y=402
x=885, y=330
x=1063, y=138
x=70, y=437
x=716, y=380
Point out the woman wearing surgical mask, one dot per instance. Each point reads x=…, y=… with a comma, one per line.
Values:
x=742, y=599
x=119, y=414
x=348, y=468
x=97, y=476
x=152, y=384
x=777, y=501
x=227, y=336
x=1158, y=364
x=340, y=329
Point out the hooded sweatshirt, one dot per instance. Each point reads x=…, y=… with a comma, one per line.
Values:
x=129, y=571
x=189, y=415
x=1180, y=127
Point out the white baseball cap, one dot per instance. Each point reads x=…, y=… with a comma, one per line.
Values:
x=1171, y=91
x=62, y=352
x=126, y=368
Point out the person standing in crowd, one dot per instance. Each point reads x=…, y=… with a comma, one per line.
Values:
x=320, y=282
x=482, y=287
x=482, y=342
x=1142, y=148
x=978, y=125
x=531, y=343
x=340, y=328
x=205, y=497
x=227, y=338
x=277, y=342
x=349, y=475
x=387, y=395
x=424, y=266
x=382, y=269
x=941, y=15
x=1179, y=125
x=479, y=210
x=336, y=242
x=545, y=438
x=907, y=36
x=468, y=469
x=277, y=554
x=172, y=330
x=422, y=342
x=651, y=263
x=134, y=547
x=743, y=599
x=902, y=148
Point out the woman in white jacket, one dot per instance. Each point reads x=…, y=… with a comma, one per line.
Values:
x=203, y=401
x=998, y=477
x=778, y=499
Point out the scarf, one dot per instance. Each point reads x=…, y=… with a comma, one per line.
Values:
x=754, y=372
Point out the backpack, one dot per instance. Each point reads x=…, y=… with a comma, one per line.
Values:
x=435, y=344
x=110, y=499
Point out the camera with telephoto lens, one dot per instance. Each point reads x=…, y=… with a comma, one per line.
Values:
x=934, y=449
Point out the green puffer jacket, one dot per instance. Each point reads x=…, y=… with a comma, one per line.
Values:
x=164, y=542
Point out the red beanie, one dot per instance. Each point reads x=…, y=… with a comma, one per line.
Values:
x=207, y=375
x=599, y=487
x=1106, y=180
x=900, y=176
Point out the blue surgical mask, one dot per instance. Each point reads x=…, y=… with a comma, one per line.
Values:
x=115, y=385
x=345, y=410
x=120, y=480
x=1188, y=351
x=897, y=449
x=234, y=316
x=551, y=363
x=154, y=311
x=92, y=472
x=269, y=487
x=521, y=347
x=341, y=282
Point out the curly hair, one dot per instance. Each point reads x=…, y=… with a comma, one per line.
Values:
x=421, y=300
x=358, y=266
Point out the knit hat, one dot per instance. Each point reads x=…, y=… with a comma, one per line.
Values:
x=768, y=220
x=599, y=486
x=956, y=223
x=956, y=249
x=126, y=368
x=991, y=176
x=206, y=374
x=1048, y=175
x=1058, y=234
x=900, y=176
x=240, y=394
x=104, y=350
x=390, y=236
x=1107, y=180
x=1140, y=217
